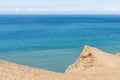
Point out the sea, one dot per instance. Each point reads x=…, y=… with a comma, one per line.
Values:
x=53, y=42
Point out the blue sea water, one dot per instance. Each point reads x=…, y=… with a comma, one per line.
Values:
x=53, y=42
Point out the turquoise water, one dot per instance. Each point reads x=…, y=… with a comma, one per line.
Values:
x=53, y=42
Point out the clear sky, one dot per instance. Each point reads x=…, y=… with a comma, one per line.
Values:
x=61, y=5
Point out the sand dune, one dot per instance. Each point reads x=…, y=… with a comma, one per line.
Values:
x=93, y=64
x=93, y=57
x=11, y=71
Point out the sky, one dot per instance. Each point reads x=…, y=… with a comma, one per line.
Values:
x=60, y=5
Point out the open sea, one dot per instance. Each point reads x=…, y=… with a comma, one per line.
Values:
x=53, y=42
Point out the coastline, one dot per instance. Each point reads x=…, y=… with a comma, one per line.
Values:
x=93, y=64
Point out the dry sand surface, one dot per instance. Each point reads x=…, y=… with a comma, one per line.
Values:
x=93, y=64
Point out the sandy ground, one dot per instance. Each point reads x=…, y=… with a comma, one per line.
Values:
x=11, y=71
x=92, y=64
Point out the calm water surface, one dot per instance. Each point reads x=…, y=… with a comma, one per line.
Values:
x=53, y=42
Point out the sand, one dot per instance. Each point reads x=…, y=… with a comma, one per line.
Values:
x=12, y=71
x=92, y=64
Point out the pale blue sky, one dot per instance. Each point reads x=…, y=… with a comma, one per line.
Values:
x=62, y=5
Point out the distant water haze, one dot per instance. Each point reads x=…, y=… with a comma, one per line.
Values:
x=82, y=6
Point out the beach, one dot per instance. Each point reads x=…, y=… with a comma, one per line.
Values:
x=92, y=64
x=50, y=47
x=60, y=40
x=45, y=41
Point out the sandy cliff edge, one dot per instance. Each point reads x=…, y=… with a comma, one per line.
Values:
x=92, y=64
x=93, y=57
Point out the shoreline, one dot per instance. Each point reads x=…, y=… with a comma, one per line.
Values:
x=92, y=64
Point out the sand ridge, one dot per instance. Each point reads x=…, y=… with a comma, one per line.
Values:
x=92, y=64
x=93, y=57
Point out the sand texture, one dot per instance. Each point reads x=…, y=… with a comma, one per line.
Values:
x=92, y=64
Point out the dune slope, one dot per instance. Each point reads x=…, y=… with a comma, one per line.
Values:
x=92, y=64
x=12, y=71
